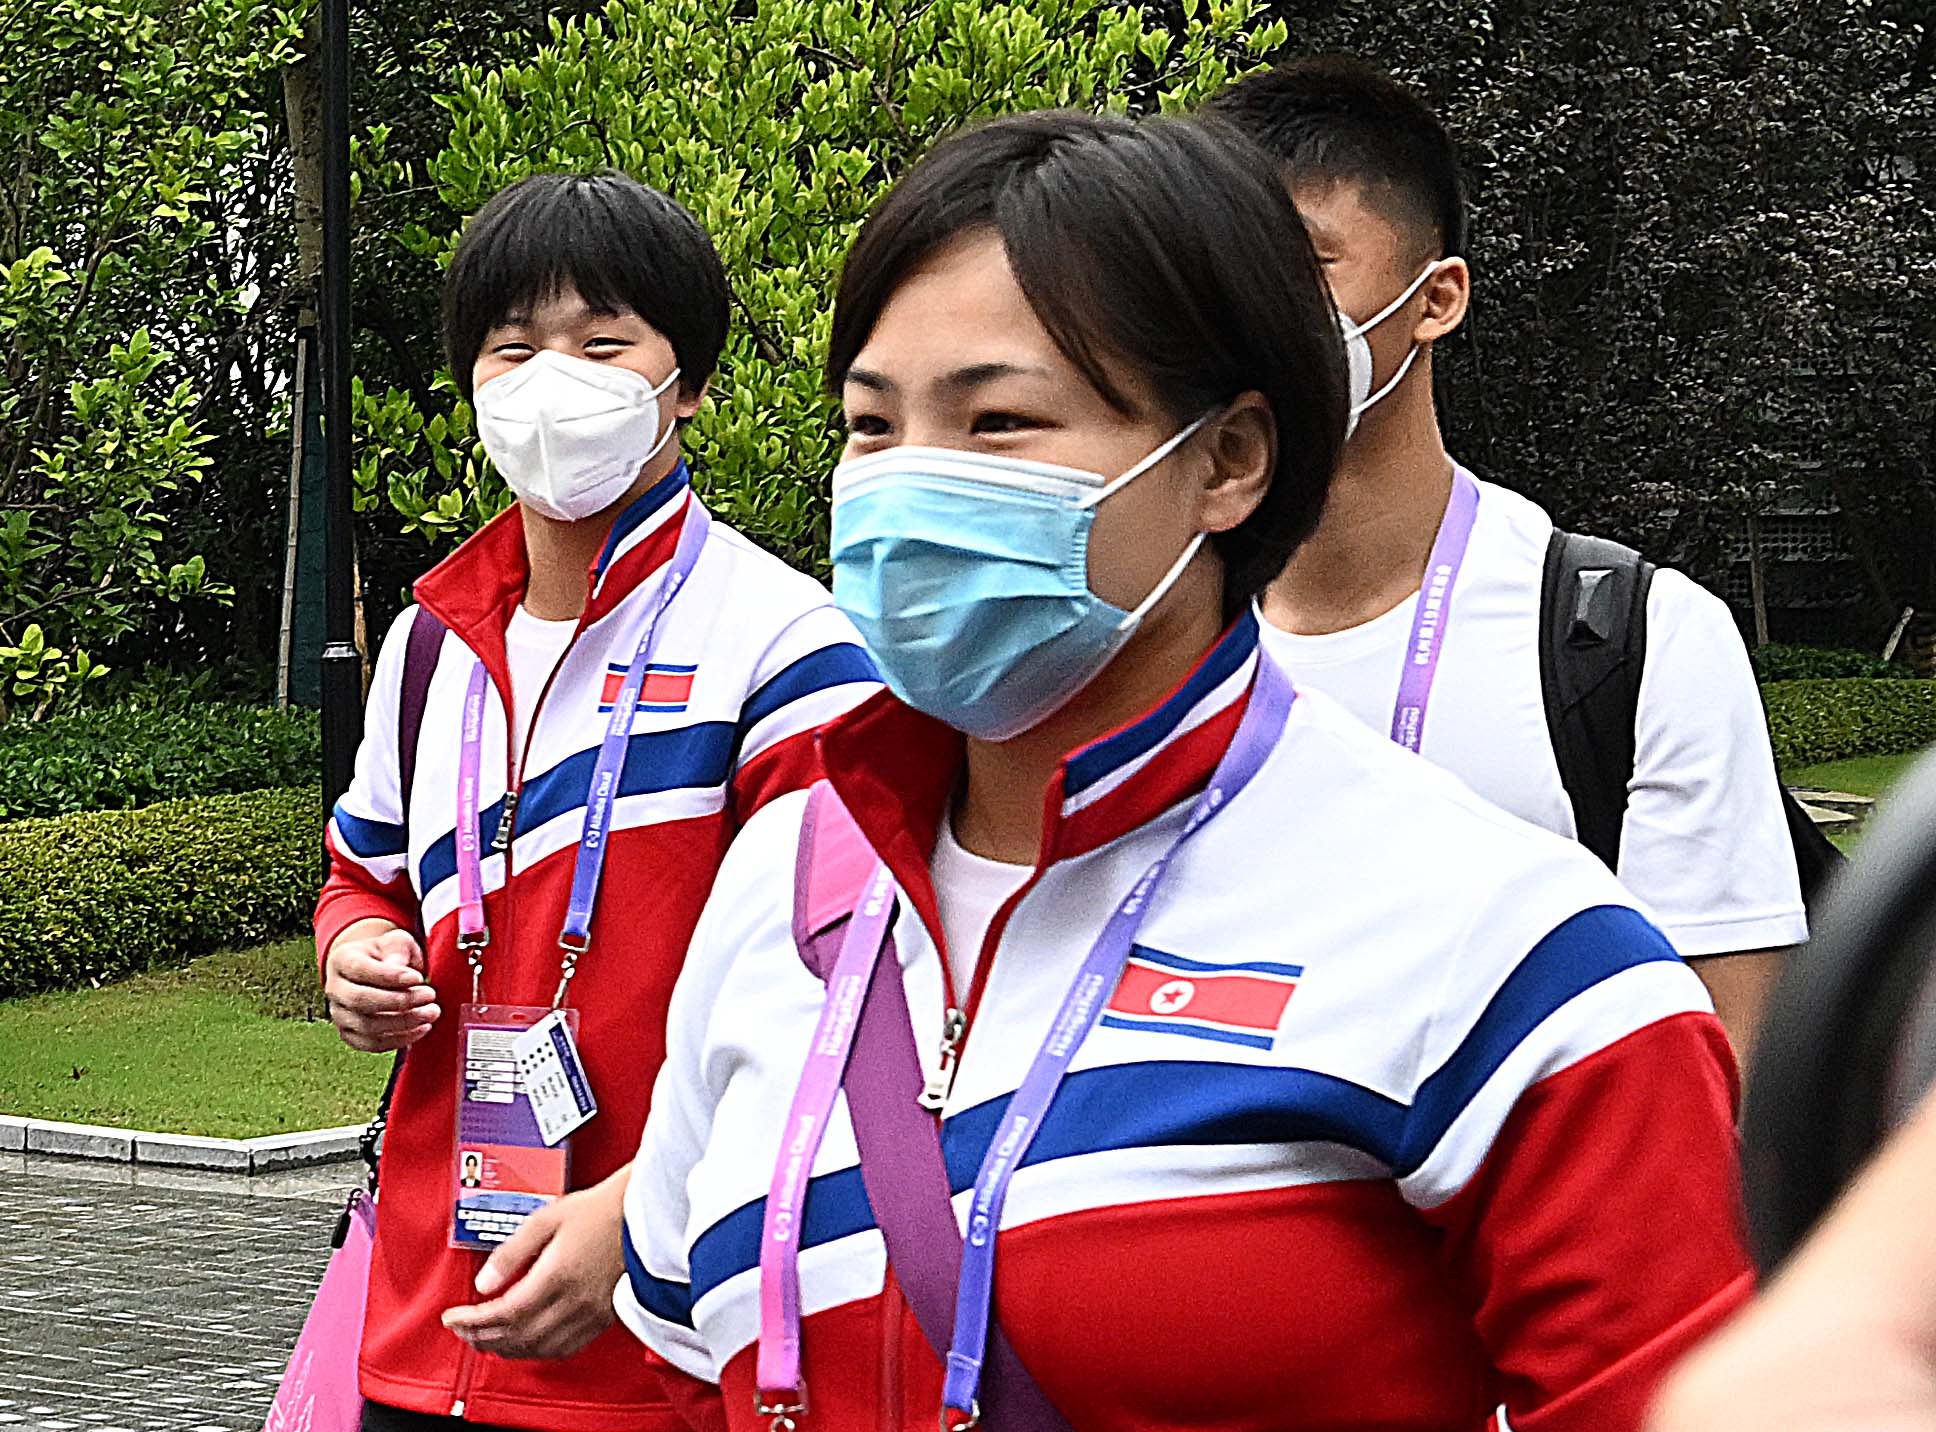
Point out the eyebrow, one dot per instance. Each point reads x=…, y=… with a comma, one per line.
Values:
x=961, y=380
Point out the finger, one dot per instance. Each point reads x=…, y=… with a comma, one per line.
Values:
x=358, y=966
x=381, y=1043
x=367, y=965
x=373, y=1003
x=385, y=1027
x=555, y=1329
x=555, y=1334
x=399, y=947
x=516, y=1254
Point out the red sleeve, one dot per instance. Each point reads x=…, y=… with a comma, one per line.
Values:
x=351, y=893
x=1604, y=1234
x=790, y=765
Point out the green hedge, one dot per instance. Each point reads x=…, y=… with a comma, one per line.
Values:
x=1816, y=721
x=124, y=757
x=91, y=897
x=1776, y=662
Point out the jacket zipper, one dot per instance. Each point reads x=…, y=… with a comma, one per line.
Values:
x=514, y=767
x=467, y=1362
x=957, y=1020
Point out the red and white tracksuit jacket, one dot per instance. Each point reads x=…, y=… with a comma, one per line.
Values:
x=755, y=657
x=1480, y=1164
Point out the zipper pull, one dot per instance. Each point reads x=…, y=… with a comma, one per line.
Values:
x=501, y=842
x=954, y=1024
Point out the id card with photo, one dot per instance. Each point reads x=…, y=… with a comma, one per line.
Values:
x=503, y=1169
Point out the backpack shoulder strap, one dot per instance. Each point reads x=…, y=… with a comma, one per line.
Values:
x=420, y=652
x=1593, y=646
x=830, y=870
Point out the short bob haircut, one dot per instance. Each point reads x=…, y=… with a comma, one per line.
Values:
x=1163, y=249
x=621, y=245
x=1335, y=119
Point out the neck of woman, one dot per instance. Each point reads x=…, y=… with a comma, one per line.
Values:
x=998, y=811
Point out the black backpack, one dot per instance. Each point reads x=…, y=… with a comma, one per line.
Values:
x=1593, y=643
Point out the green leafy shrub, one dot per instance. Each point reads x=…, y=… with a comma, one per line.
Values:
x=780, y=124
x=1816, y=721
x=1776, y=662
x=91, y=897
x=125, y=757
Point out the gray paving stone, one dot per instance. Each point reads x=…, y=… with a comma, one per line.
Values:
x=138, y=1305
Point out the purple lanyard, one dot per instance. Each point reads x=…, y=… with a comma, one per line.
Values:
x=1257, y=735
x=778, y=1370
x=1434, y=613
x=472, y=933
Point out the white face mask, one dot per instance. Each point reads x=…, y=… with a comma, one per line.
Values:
x=570, y=435
x=1357, y=351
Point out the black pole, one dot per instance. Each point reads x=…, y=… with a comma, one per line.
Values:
x=342, y=676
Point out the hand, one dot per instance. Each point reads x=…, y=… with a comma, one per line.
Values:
x=561, y=1268
x=373, y=978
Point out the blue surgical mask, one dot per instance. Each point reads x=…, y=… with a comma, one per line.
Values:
x=968, y=576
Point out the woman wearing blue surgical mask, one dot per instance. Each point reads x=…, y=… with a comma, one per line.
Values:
x=1119, y=1037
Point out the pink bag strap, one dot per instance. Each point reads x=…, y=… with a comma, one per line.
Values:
x=901, y=1163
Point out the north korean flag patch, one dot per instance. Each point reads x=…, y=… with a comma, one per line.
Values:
x=665, y=688
x=1236, y=1003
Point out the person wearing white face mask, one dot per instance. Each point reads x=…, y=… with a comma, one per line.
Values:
x=1440, y=608
x=590, y=697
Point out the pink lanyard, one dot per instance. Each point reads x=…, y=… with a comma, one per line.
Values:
x=1434, y=614
x=780, y=1388
x=778, y=1369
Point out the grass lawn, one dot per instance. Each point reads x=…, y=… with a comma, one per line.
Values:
x=1857, y=776
x=232, y=1046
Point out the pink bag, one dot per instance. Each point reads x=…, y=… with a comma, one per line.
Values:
x=319, y=1389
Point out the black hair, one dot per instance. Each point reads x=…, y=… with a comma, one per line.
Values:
x=1167, y=248
x=1332, y=118
x=619, y=244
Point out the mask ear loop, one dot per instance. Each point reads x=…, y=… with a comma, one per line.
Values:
x=671, y=427
x=1359, y=330
x=1161, y=589
x=1397, y=303
x=1396, y=379
x=1169, y=579
x=1110, y=489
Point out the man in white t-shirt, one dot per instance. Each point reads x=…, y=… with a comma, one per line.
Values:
x=1705, y=842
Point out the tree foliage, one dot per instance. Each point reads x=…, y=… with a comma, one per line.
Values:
x=1704, y=246
x=126, y=129
x=1704, y=241
x=779, y=124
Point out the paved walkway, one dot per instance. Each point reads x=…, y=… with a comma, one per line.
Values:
x=163, y=1305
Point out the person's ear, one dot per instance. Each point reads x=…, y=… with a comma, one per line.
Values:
x=689, y=404
x=1447, y=294
x=1242, y=448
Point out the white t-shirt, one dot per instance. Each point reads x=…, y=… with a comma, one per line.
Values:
x=968, y=890
x=533, y=647
x=1706, y=843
